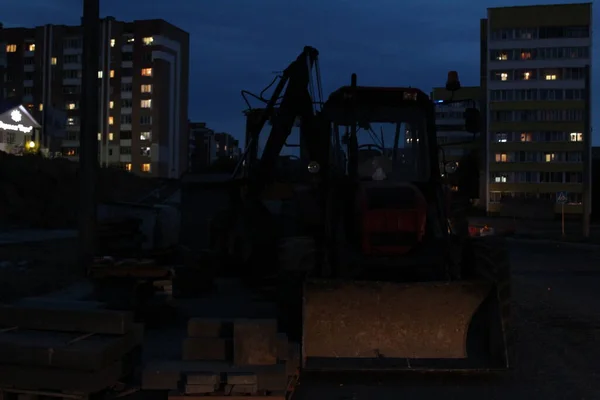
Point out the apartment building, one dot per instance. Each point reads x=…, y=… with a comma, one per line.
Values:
x=533, y=63
x=142, y=88
x=227, y=145
x=450, y=123
x=203, y=147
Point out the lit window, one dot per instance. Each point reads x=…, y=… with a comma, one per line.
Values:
x=146, y=89
x=148, y=40
x=504, y=76
x=146, y=71
x=111, y=120
x=526, y=76
x=501, y=157
x=145, y=151
x=99, y=136
x=500, y=179
x=53, y=61
x=526, y=55
x=112, y=42
x=550, y=77
x=112, y=73
x=11, y=48
x=145, y=167
x=502, y=57
x=526, y=137
x=501, y=137
x=128, y=167
x=41, y=107
x=130, y=40
x=225, y=147
x=111, y=105
x=32, y=47
x=111, y=136
x=146, y=136
x=549, y=157
x=100, y=74
x=70, y=121
x=71, y=106
x=146, y=103
x=576, y=137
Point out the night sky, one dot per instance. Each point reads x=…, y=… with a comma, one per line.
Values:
x=238, y=44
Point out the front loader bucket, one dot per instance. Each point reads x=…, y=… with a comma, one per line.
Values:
x=396, y=326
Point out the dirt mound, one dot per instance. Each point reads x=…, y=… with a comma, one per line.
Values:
x=37, y=192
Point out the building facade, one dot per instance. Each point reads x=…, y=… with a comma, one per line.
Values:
x=227, y=145
x=533, y=64
x=142, y=86
x=450, y=123
x=203, y=147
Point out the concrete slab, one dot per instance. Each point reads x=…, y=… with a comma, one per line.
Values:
x=66, y=350
x=36, y=378
x=66, y=320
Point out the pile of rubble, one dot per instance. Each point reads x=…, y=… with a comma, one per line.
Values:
x=37, y=192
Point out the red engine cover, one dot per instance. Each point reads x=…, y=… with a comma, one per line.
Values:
x=393, y=217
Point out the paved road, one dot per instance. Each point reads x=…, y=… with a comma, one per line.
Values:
x=557, y=326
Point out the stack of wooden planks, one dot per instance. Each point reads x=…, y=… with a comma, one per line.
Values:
x=66, y=346
x=230, y=358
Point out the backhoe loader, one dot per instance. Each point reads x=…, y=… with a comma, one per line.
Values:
x=372, y=271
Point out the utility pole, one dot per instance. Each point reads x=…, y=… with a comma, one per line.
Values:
x=587, y=166
x=88, y=141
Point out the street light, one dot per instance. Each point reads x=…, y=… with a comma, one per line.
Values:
x=31, y=145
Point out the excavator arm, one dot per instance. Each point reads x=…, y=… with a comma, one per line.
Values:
x=283, y=110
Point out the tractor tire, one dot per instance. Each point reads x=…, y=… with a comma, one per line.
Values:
x=491, y=261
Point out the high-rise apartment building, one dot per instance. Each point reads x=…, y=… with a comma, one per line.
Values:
x=450, y=122
x=533, y=64
x=203, y=147
x=142, y=88
x=455, y=142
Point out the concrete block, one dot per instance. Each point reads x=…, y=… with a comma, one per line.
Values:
x=241, y=389
x=255, y=342
x=207, y=348
x=202, y=379
x=241, y=378
x=201, y=389
x=210, y=327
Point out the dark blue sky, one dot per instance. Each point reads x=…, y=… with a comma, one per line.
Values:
x=237, y=44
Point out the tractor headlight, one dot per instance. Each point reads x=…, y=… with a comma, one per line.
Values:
x=314, y=167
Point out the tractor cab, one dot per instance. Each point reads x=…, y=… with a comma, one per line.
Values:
x=386, y=133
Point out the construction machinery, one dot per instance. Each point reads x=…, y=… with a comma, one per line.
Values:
x=373, y=271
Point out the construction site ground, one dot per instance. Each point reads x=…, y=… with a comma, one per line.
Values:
x=557, y=324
